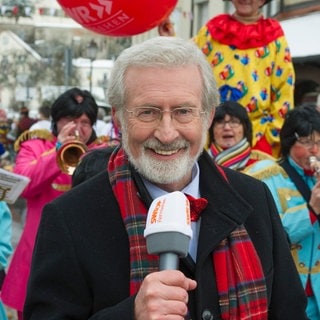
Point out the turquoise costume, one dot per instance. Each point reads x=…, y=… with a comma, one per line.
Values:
x=300, y=225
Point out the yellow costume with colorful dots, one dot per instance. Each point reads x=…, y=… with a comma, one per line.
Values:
x=252, y=65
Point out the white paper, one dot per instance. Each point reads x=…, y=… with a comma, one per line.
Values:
x=11, y=185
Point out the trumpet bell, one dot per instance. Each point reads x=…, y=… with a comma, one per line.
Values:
x=68, y=156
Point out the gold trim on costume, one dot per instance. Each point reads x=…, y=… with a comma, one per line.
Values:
x=301, y=267
x=32, y=134
x=50, y=151
x=260, y=155
x=61, y=187
x=285, y=195
x=265, y=173
x=107, y=140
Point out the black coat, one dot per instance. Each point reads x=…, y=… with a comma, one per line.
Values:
x=80, y=267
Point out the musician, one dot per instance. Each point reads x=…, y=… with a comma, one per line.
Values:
x=73, y=113
x=294, y=186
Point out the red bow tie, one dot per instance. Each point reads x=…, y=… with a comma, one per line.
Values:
x=196, y=207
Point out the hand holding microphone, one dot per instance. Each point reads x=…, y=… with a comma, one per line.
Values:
x=168, y=233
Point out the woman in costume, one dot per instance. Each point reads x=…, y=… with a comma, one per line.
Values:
x=230, y=137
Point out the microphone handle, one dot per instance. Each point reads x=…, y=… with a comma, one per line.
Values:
x=168, y=261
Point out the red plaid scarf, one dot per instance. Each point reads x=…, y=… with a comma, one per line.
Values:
x=134, y=214
x=240, y=279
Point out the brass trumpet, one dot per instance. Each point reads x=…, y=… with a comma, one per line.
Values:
x=68, y=156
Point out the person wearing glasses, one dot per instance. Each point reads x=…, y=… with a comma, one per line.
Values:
x=230, y=138
x=295, y=185
x=90, y=259
x=73, y=114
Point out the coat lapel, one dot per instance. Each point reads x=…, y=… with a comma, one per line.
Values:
x=225, y=211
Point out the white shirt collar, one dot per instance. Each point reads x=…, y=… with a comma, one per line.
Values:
x=192, y=188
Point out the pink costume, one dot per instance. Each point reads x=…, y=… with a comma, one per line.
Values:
x=37, y=160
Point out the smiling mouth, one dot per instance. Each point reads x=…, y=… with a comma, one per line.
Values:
x=166, y=152
x=166, y=149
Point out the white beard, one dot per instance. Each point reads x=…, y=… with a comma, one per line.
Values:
x=163, y=172
x=167, y=171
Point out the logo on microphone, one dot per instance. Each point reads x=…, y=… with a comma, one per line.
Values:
x=156, y=215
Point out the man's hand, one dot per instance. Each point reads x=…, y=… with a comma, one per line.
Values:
x=68, y=133
x=163, y=295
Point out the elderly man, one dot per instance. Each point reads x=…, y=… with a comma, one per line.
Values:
x=91, y=261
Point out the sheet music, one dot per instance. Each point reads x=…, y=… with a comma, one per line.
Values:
x=11, y=185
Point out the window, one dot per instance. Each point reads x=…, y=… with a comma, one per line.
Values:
x=297, y=4
x=202, y=12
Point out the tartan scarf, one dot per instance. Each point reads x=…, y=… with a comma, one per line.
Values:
x=240, y=281
x=134, y=215
x=235, y=157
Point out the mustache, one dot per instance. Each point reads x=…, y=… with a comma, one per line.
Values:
x=157, y=145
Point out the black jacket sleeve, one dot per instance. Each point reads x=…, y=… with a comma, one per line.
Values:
x=80, y=267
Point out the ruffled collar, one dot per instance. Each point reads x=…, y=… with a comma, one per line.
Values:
x=227, y=30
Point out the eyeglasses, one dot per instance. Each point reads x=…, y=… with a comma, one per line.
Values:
x=307, y=142
x=152, y=115
x=233, y=123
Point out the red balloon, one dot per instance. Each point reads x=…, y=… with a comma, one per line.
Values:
x=118, y=17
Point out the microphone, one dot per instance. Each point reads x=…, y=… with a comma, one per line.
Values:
x=168, y=229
